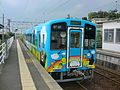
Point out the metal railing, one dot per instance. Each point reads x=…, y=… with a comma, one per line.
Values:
x=4, y=49
x=2, y=52
x=9, y=42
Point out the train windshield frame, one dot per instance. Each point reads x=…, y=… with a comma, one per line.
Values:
x=58, y=36
x=89, y=36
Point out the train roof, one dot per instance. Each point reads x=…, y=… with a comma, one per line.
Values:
x=83, y=22
x=38, y=28
x=28, y=31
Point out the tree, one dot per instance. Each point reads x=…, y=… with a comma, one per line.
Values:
x=112, y=14
x=84, y=18
x=92, y=15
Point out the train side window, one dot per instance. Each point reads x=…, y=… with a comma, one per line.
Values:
x=39, y=41
x=58, y=36
x=27, y=37
x=43, y=40
x=34, y=38
x=30, y=38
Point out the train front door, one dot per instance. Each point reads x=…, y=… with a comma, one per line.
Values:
x=74, y=48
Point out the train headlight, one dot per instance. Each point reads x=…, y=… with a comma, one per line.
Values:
x=93, y=52
x=88, y=54
x=63, y=53
x=55, y=56
x=63, y=34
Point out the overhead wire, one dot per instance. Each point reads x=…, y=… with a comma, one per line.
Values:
x=55, y=7
x=59, y=6
x=110, y=5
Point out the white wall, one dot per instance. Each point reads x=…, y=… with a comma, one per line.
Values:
x=111, y=45
x=111, y=25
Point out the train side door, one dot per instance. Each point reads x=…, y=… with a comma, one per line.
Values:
x=74, y=48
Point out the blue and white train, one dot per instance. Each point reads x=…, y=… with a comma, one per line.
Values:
x=66, y=48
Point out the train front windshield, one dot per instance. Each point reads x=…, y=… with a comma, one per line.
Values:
x=89, y=37
x=58, y=36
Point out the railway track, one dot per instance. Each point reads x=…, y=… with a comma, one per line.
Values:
x=110, y=75
x=75, y=85
x=82, y=86
x=103, y=80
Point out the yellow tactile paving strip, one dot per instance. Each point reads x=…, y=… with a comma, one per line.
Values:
x=26, y=79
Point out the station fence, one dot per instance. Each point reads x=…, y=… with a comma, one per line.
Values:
x=4, y=49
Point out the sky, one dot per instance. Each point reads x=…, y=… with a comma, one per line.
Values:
x=41, y=10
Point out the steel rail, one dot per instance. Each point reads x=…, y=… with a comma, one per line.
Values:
x=81, y=85
x=116, y=82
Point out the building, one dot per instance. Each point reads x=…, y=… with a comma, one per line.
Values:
x=99, y=27
x=99, y=20
x=111, y=35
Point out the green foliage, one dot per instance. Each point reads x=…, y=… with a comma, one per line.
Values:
x=112, y=14
x=8, y=35
x=99, y=35
x=84, y=18
x=11, y=34
x=99, y=39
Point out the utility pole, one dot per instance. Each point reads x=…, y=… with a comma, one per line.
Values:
x=3, y=29
x=116, y=2
x=9, y=24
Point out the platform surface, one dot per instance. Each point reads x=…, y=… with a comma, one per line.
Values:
x=21, y=71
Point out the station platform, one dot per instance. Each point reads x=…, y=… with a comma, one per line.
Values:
x=22, y=71
x=108, y=59
x=108, y=52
